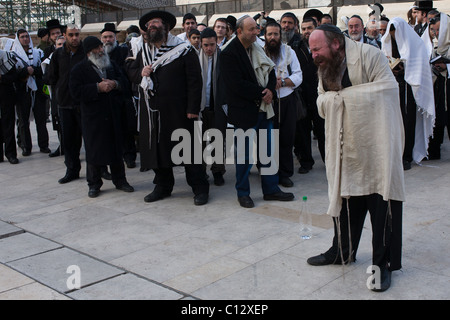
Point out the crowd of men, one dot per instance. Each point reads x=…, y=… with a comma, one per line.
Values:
x=369, y=96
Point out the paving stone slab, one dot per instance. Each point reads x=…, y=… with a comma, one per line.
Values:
x=125, y=287
x=59, y=269
x=7, y=230
x=24, y=245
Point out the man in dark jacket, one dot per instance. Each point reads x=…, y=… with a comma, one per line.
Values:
x=8, y=76
x=118, y=54
x=96, y=84
x=312, y=121
x=250, y=105
x=169, y=74
x=63, y=60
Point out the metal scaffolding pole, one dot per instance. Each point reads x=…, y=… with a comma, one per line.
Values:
x=33, y=14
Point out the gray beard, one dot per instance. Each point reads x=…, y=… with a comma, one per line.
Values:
x=101, y=62
x=286, y=36
x=109, y=47
x=356, y=37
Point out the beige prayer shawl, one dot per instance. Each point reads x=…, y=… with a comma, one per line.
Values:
x=364, y=133
x=262, y=65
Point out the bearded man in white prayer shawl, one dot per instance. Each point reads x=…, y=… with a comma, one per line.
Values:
x=439, y=75
x=441, y=29
x=358, y=98
x=419, y=117
x=30, y=97
x=168, y=72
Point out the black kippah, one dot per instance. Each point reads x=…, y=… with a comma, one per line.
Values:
x=329, y=27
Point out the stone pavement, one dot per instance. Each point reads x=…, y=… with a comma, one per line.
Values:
x=119, y=247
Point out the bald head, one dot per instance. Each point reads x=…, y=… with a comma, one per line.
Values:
x=247, y=31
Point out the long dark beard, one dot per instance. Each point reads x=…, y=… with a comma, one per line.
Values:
x=273, y=50
x=331, y=73
x=160, y=35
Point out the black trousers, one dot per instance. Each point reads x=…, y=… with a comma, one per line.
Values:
x=195, y=177
x=386, y=230
x=409, y=110
x=434, y=146
x=209, y=122
x=302, y=147
x=129, y=124
x=94, y=174
x=285, y=121
x=71, y=138
x=24, y=104
x=8, y=123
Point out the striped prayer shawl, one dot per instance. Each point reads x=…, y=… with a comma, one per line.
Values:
x=7, y=61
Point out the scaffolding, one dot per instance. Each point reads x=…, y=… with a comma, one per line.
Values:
x=33, y=14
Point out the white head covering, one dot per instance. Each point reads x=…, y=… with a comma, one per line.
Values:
x=418, y=75
x=444, y=36
x=24, y=60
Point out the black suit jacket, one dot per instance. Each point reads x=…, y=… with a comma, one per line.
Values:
x=243, y=94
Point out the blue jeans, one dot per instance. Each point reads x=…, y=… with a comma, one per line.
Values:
x=269, y=183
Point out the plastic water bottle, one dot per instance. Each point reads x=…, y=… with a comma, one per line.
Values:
x=305, y=221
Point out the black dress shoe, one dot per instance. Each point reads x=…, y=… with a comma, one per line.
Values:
x=26, y=152
x=45, y=150
x=406, y=165
x=68, y=178
x=130, y=164
x=55, y=153
x=201, y=199
x=144, y=169
x=323, y=260
x=13, y=160
x=93, y=192
x=106, y=175
x=285, y=182
x=303, y=170
x=280, y=196
x=125, y=187
x=385, y=279
x=246, y=202
x=157, y=195
x=218, y=179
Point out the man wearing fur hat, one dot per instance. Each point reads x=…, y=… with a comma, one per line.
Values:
x=96, y=84
x=168, y=72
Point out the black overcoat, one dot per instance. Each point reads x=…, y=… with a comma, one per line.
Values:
x=178, y=91
x=100, y=113
x=243, y=94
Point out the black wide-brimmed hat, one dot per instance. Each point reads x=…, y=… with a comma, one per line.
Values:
x=425, y=5
x=164, y=15
x=109, y=26
x=313, y=13
x=53, y=24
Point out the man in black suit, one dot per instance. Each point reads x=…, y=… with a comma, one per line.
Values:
x=312, y=121
x=423, y=7
x=118, y=54
x=243, y=64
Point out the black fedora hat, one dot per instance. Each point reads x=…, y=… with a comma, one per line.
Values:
x=109, y=26
x=313, y=13
x=164, y=15
x=53, y=24
x=425, y=6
